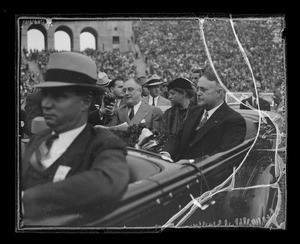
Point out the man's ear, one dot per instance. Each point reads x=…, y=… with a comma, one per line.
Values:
x=220, y=92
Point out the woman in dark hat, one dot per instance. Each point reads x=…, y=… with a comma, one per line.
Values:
x=180, y=94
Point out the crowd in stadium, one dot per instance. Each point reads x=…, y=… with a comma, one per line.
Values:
x=175, y=48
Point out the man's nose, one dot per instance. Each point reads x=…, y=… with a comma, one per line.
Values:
x=47, y=102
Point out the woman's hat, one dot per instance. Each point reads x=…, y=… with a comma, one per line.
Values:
x=70, y=69
x=182, y=83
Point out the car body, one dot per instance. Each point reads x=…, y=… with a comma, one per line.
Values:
x=159, y=190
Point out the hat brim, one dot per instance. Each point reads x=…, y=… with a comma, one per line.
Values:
x=53, y=84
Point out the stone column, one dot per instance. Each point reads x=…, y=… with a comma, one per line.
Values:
x=50, y=38
x=24, y=38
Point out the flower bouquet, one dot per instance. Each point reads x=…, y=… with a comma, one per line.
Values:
x=141, y=137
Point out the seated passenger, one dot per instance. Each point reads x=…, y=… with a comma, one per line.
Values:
x=135, y=110
x=180, y=92
x=210, y=127
x=71, y=167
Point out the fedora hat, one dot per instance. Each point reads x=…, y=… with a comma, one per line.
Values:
x=153, y=80
x=102, y=80
x=70, y=69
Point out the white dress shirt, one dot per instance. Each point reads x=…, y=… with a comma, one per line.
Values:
x=135, y=108
x=210, y=112
x=60, y=145
x=151, y=100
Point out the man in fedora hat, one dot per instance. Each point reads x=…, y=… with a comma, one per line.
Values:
x=71, y=167
x=142, y=80
x=103, y=84
x=154, y=99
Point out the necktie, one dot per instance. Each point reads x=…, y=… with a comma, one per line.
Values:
x=43, y=150
x=203, y=120
x=131, y=114
x=153, y=103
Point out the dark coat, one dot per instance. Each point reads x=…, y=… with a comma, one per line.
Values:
x=264, y=104
x=99, y=175
x=225, y=129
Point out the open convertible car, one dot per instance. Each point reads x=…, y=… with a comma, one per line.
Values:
x=158, y=189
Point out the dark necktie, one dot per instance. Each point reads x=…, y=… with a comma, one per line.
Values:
x=203, y=120
x=43, y=150
x=131, y=114
x=153, y=103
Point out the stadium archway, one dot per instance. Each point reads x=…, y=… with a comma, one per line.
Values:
x=88, y=39
x=63, y=39
x=36, y=33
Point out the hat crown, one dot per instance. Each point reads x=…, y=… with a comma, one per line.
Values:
x=153, y=80
x=180, y=82
x=102, y=79
x=72, y=61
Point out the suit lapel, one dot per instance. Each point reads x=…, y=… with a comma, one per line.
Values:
x=210, y=123
x=123, y=114
x=72, y=157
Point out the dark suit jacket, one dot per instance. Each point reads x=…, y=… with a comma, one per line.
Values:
x=99, y=175
x=225, y=129
x=264, y=104
x=151, y=114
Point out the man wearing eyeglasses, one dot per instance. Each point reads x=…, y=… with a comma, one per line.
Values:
x=136, y=111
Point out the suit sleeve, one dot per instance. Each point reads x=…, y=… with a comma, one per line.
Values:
x=102, y=185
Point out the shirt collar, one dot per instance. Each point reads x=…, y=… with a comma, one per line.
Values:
x=137, y=106
x=71, y=133
x=211, y=111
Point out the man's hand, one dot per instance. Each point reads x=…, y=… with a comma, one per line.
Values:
x=166, y=156
x=107, y=110
x=183, y=161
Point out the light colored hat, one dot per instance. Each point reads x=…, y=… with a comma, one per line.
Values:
x=70, y=69
x=142, y=80
x=153, y=80
x=102, y=80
